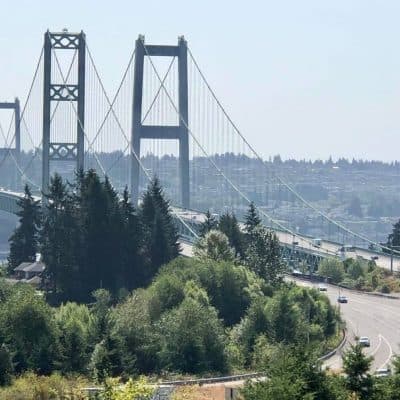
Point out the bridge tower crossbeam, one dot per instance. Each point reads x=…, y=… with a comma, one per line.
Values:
x=178, y=132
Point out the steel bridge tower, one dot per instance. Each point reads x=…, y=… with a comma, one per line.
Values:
x=54, y=150
x=178, y=132
x=14, y=151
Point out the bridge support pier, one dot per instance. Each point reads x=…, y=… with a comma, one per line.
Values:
x=179, y=132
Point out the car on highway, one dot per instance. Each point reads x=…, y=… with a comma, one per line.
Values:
x=322, y=288
x=347, y=248
x=375, y=247
x=382, y=372
x=364, y=341
x=342, y=299
x=317, y=242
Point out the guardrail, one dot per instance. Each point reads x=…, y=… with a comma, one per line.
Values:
x=204, y=381
x=339, y=347
x=306, y=277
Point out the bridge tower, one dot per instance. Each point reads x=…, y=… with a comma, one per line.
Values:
x=178, y=132
x=53, y=149
x=15, y=145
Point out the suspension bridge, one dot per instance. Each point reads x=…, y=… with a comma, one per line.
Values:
x=165, y=120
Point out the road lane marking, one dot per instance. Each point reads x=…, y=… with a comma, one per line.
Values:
x=390, y=353
x=357, y=310
x=377, y=347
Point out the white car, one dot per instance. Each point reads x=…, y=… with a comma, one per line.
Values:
x=322, y=288
x=364, y=341
x=382, y=372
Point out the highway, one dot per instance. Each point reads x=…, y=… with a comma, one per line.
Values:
x=365, y=315
x=326, y=248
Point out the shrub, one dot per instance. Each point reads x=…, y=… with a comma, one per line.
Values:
x=331, y=268
x=385, y=288
x=32, y=387
x=132, y=390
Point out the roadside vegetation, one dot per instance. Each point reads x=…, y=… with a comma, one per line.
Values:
x=295, y=374
x=117, y=301
x=359, y=274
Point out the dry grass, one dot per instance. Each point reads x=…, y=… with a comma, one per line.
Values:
x=207, y=392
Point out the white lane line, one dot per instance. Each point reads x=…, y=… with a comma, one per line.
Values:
x=390, y=352
x=377, y=347
x=353, y=300
x=353, y=328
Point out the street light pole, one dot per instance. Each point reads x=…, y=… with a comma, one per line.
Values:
x=391, y=255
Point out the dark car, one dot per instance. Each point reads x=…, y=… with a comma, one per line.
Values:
x=342, y=299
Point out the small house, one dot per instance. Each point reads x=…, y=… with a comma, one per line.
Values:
x=28, y=271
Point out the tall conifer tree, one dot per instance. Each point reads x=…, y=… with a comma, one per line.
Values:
x=208, y=224
x=59, y=239
x=160, y=232
x=252, y=219
x=229, y=225
x=24, y=240
x=132, y=243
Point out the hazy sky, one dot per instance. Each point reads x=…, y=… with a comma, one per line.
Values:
x=305, y=79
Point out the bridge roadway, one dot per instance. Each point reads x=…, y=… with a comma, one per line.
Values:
x=305, y=244
x=365, y=315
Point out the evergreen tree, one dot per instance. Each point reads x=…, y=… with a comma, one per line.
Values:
x=58, y=239
x=208, y=224
x=24, y=240
x=284, y=319
x=93, y=239
x=160, y=232
x=294, y=373
x=263, y=255
x=394, y=237
x=356, y=366
x=252, y=219
x=105, y=361
x=97, y=205
x=214, y=246
x=132, y=244
x=114, y=277
x=6, y=365
x=229, y=225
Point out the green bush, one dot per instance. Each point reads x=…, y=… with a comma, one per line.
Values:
x=138, y=389
x=355, y=270
x=33, y=387
x=385, y=288
x=331, y=268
